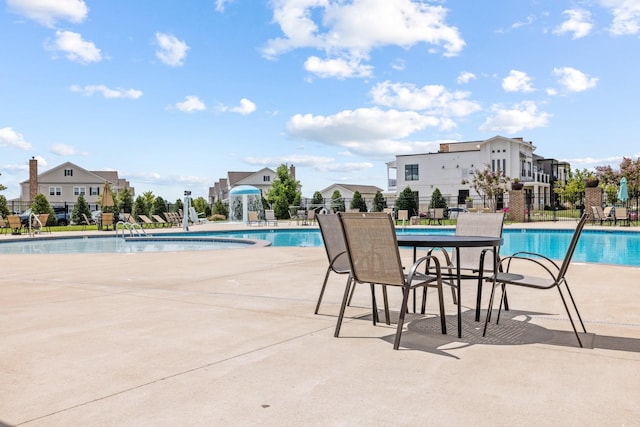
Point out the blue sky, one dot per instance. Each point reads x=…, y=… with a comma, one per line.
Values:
x=175, y=94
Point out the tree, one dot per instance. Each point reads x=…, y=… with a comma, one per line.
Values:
x=140, y=207
x=159, y=206
x=337, y=202
x=317, y=201
x=572, y=191
x=41, y=205
x=149, y=199
x=178, y=205
x=438, y=200
x=358, y=202
x=201, y=205
x=80, y=207
x=284, y=192
x=489, y=184
x=4, y=208
x=630, y=169
x=125, y=200
x=379, y=203
x=220, y=209
x=407, y=201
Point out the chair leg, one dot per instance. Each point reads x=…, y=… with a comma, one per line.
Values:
x=386, y=305
x=374, y=306
x=353, y=289
x=443, y=319
x=324, y=285
x=343, y=306
x=566, y=307
x=489, y=309
x=403, y=310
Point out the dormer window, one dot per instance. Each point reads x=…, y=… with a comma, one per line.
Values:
x=68, y=172
x=266, y=178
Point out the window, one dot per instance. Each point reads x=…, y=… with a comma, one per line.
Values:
x=55, y=191
x=266, y=178
x=94, y=191
x=411, y=172
x=79, y=190
x=68, y=172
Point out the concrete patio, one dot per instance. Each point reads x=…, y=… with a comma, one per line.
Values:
x=229, y=338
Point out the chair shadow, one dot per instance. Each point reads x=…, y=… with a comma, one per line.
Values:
x=515, y=328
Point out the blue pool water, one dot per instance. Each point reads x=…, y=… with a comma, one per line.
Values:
x=597, y=246
x=119, y=245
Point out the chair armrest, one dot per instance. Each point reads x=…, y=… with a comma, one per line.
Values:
x=413, y=272
x=531, y=258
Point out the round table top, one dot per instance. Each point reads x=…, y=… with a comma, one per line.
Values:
x=451, y=241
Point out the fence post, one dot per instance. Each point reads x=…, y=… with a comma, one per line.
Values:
x=516, y=205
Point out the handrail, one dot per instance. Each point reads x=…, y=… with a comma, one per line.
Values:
x=133, y=229
x=33, y=216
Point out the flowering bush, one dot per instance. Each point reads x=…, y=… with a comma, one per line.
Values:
x=489, y=183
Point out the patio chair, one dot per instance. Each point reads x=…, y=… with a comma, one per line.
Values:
x=3, y=225
x=106, y=220
x=85, y=221
x=600, y=216
x=436, y=216
x=336, y=249
x=15, y=224
x=476, y=263
x=554, y=277
x=403, y=215
x=159, y=221
x=374, y=258
x=40, y=223
x=311, y=216
x=270, y=217
x=253, y=218
x=622, y=216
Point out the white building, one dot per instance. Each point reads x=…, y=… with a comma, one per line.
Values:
x=455, y=163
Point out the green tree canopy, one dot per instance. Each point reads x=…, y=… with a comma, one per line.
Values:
x=178, y=205
x=80, y=207
x=140, y=207
x=4, y=207
x=317, y=201
x=124, y=200
x=438, y=200
x=407, y=201
x=357, y=202
x=379, y=203
x=201, y=205
x=220, y=209
x=337, y=202
x=159, y=206
x=284, y=192
x=41, y=205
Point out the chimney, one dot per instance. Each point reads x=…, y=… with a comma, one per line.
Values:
x=33, y=178
x=292, y=172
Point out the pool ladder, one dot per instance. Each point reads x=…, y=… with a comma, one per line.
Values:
x=134, y=229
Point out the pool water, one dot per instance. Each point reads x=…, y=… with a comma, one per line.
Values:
x=597, y=246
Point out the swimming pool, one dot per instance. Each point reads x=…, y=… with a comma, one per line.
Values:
x=112, y=244
x=597, y=246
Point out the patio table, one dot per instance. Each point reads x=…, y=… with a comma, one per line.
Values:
x=454, y=242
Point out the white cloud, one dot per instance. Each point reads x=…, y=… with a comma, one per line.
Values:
x=365, y=131
x=190, y=104
x=65, y=150
x=351, y=30
x=465, y=77
x=76, y=49
x=11, y=138
x=435, y=99
x=521, y=116
x=48, y=12
x=574, y=80
x=106, y=92
x=171, y=51
x=246, y=107
x=578, y=23
x=220, y=4
x=318, y=163
x=626, y=16
x=517, y=81
x=340, y=68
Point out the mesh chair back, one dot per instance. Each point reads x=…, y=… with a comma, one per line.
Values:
x=474, y=224
x=572, y=247
x=334, y=243
x=372, y=248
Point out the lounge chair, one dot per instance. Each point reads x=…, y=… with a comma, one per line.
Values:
x=436, y=216
x=554, y=277
x=159, y=221
x=336, y=249
x=600, y=216
x=15, y=224
x=85, y=222
x=374, y=258
x=172, y=218
x=196, y=217
x=253, y=218
x=39, y=223
x=311, y=216
x=622, y=216
x=146, y=221
x=270, y=217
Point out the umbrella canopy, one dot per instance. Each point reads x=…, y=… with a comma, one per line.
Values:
x=107, y=196
x=623, y=192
